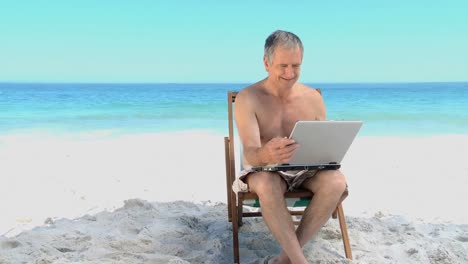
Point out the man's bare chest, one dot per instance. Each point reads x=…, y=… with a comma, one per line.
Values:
x=280, y=120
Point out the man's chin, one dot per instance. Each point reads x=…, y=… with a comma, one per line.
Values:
x=288, y=83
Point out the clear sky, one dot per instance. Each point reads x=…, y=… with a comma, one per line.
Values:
x=222, y=41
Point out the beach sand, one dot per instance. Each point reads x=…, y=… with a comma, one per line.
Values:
x=160, y=198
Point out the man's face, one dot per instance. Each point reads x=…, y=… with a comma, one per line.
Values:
x=285, y=66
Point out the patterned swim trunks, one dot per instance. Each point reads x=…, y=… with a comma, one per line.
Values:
x=293, y=179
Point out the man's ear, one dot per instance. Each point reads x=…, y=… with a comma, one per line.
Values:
x=265, y=62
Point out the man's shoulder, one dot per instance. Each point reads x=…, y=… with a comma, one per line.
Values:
x=306, y=90
x=249, y=93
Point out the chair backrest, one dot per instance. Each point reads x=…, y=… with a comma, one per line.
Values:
x=231, y=96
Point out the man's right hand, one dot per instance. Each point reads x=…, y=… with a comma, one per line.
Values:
x=279, y=150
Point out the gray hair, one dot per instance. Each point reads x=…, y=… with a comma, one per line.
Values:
x=281, y=38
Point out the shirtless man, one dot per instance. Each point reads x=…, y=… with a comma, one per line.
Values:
x=265, y=115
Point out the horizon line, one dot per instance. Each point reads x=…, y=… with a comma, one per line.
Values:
x=305, y=82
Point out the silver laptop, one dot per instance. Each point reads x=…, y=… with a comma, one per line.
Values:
x=323, y=145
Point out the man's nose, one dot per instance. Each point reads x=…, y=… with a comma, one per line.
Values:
x=289, y=72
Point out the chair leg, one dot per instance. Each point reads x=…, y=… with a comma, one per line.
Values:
x=334, y=215
x=240, y=212
x=235, y=240
x=229, y=201
x=344, y=232
x=235, y=230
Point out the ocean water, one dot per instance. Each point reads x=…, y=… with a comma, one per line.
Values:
x=396, y=109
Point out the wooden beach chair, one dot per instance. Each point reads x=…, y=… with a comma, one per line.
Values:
x=235, y=206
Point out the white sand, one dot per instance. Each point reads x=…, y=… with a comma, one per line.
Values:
x=406, y=202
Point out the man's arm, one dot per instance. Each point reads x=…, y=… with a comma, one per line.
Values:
x=247, y=127
x=277, y=150
x=321, y=109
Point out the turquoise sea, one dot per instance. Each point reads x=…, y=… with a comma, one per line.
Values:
x=386, y=108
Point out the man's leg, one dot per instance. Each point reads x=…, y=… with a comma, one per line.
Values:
x=328, y=187
x=270, y=188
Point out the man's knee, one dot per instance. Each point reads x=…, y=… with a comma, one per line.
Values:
x=330, y=181
x=336, y=182
x=265, y=183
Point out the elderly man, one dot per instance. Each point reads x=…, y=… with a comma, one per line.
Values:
x=265, y=115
